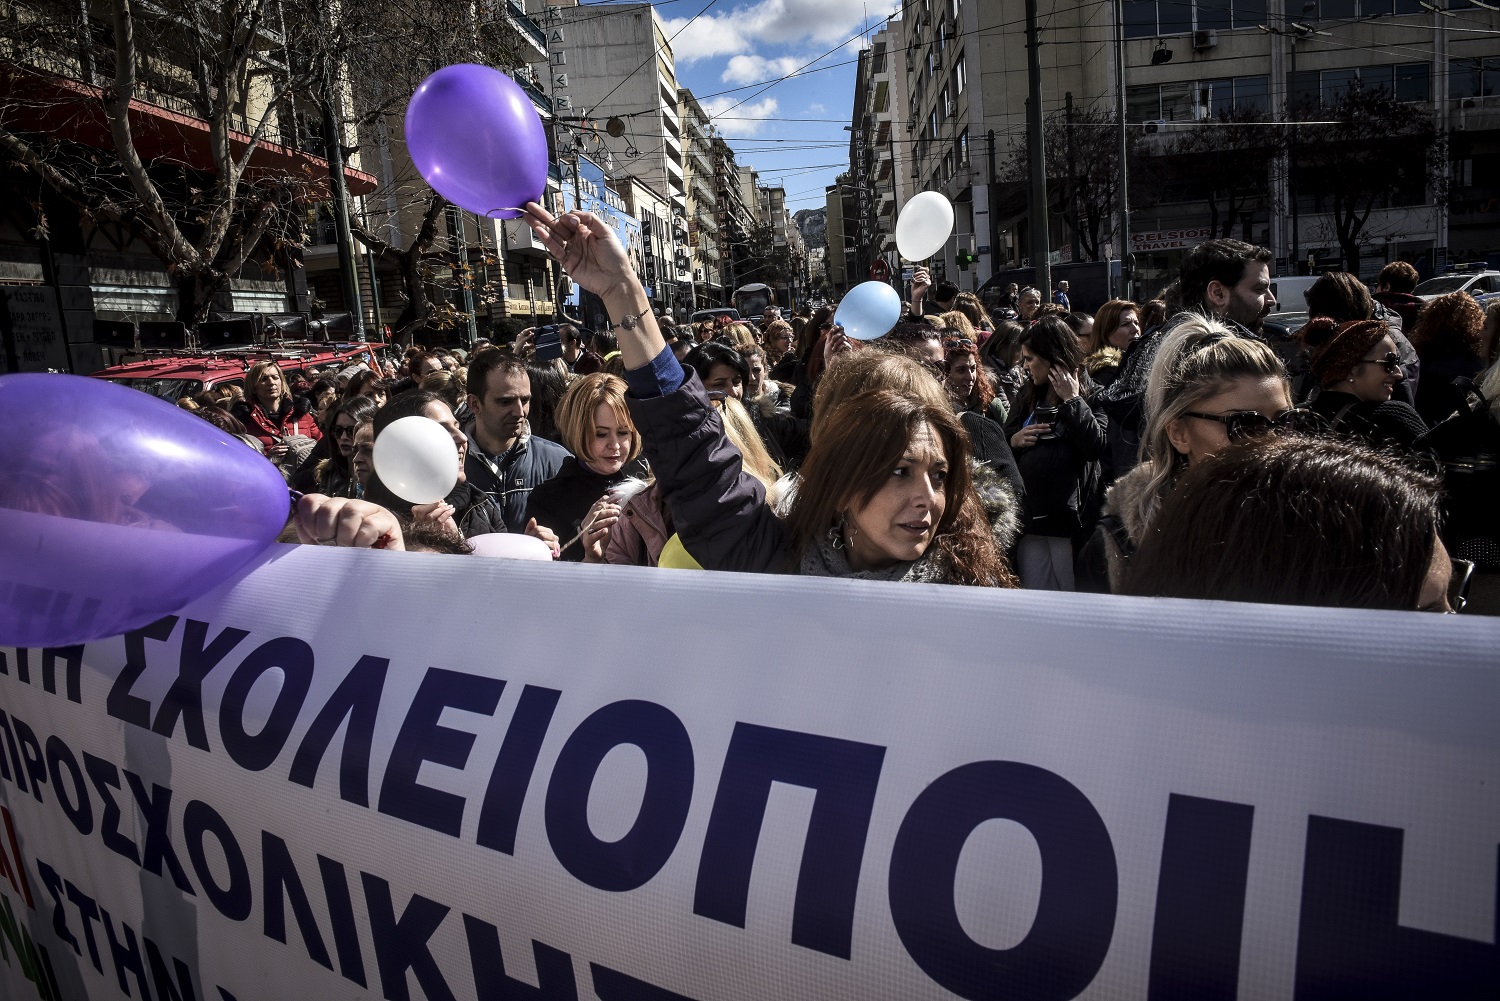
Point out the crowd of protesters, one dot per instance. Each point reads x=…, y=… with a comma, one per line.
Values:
x=1181, y=446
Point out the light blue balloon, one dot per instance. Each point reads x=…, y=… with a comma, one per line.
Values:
x=869, y=311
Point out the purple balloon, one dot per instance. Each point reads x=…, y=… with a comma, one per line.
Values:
x=117, y=508
x=476, y=137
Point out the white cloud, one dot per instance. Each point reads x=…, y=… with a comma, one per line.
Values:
x=743, y=120
x=817, y=109
x=773, y=22
x=755, y=69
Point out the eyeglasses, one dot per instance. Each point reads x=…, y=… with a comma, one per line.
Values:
x=1391, y=362
x=1253, y=424
x=1458, y=585
x=958, y=342
x=343, y=430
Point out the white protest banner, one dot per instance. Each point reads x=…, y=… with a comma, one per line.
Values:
x=361, y=774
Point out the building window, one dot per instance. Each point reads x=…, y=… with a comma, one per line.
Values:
x=1143, y=103
x=932, y=124
x=945, y=104
x=1153, y=18
x=960, y=75
x=1473, y=78
x=1413, y=83
x=963, y=148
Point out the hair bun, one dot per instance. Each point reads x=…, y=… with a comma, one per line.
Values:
x=1318, y=331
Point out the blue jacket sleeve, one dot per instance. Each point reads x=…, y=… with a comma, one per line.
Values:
x=719, y=510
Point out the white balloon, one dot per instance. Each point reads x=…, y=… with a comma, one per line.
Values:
x=924, y=226
x=416, y=458
x=868, y=311
x=511, y=547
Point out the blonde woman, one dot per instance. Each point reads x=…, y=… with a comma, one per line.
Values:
x=1207, y=388
x=270, y=414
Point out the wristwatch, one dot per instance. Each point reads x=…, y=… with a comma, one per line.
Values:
x=629, y=322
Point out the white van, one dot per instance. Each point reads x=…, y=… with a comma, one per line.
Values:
x=1289, y=292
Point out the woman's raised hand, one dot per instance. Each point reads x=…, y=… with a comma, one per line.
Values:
x=585, y=246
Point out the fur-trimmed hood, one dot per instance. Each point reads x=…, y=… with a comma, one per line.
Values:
x=1001, y=506
x=1105, y=357
x=1124, y=500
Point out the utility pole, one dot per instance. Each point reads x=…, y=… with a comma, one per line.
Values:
x=1122, y=241
x=994, y=215
x=1293, y=266
x=1041, y=258
x=1072, y=181
x=343, y=235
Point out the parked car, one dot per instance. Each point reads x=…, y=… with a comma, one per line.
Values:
x=710, y=314
x=172, y=376
x=1476, y=283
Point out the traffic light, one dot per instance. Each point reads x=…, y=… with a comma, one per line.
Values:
x=965, y=258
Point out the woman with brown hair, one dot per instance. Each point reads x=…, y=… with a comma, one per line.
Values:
x=1342, y=297
x=973, y=310
x=968, y=383
x=1448, y=340
x=1300, y=521
x=1358, y=367
x=1116, y=326
x=885, y=492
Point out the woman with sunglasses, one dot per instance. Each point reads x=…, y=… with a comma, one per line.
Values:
x=1207, y=389
x=1357, y=366
x=335, y=473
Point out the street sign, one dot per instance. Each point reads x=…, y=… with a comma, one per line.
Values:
x=880, y=271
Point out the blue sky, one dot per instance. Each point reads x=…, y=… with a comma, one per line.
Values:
x=729, y=54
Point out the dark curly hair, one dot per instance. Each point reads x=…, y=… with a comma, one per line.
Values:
x=1447, y=322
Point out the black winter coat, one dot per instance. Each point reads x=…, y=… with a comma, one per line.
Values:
x=562, y=502
x=1376, y=423
x=719, y=510
x=1437, y=397
x=1062, y=474
x=992, y=450
x=1469, y=445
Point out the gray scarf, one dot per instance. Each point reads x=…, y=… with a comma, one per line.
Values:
x=823, y=560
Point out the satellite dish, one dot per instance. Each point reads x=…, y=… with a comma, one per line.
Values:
x=615, y=128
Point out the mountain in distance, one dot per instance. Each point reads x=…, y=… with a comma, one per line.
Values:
x=812, y=224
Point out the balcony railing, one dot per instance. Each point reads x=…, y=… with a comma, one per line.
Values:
x=542, y=101
x=525, y=24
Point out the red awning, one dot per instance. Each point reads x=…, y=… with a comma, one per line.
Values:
x=72, y=110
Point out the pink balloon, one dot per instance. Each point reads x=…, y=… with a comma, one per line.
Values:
x=511, y=547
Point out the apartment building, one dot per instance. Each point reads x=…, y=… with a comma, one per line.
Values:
x=879, y=185
x=702, y=203
x=612, y=61
x=1185, y=62
x=738, y=216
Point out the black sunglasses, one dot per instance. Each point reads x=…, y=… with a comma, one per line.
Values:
x=1391, y=362
x=958, y=342
x=1458, y=585
x=341, y=430
x=1252, y=424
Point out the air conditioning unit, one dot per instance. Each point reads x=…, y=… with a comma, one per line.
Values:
x=1151, y=128
x=1203, y=40
x=697, y=274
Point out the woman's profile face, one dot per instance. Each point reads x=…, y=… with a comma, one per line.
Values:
x=901, y=520
x=1369, y=379
x=362, y=451
x=1198, y=438
x=1036, y=366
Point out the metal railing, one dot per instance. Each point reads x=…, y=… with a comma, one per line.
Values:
x=525, y=24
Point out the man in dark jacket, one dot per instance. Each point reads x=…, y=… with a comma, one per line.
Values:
x=1393, y=289
x=504, y=460
x=576, y=352
x=1226, y=279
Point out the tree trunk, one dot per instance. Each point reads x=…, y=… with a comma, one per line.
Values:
x=196, y=292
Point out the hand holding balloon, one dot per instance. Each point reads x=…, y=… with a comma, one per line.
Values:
x=416, y=459
x=869, y=310
x=117, y=508
x=924, y=225
x=476, y=137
